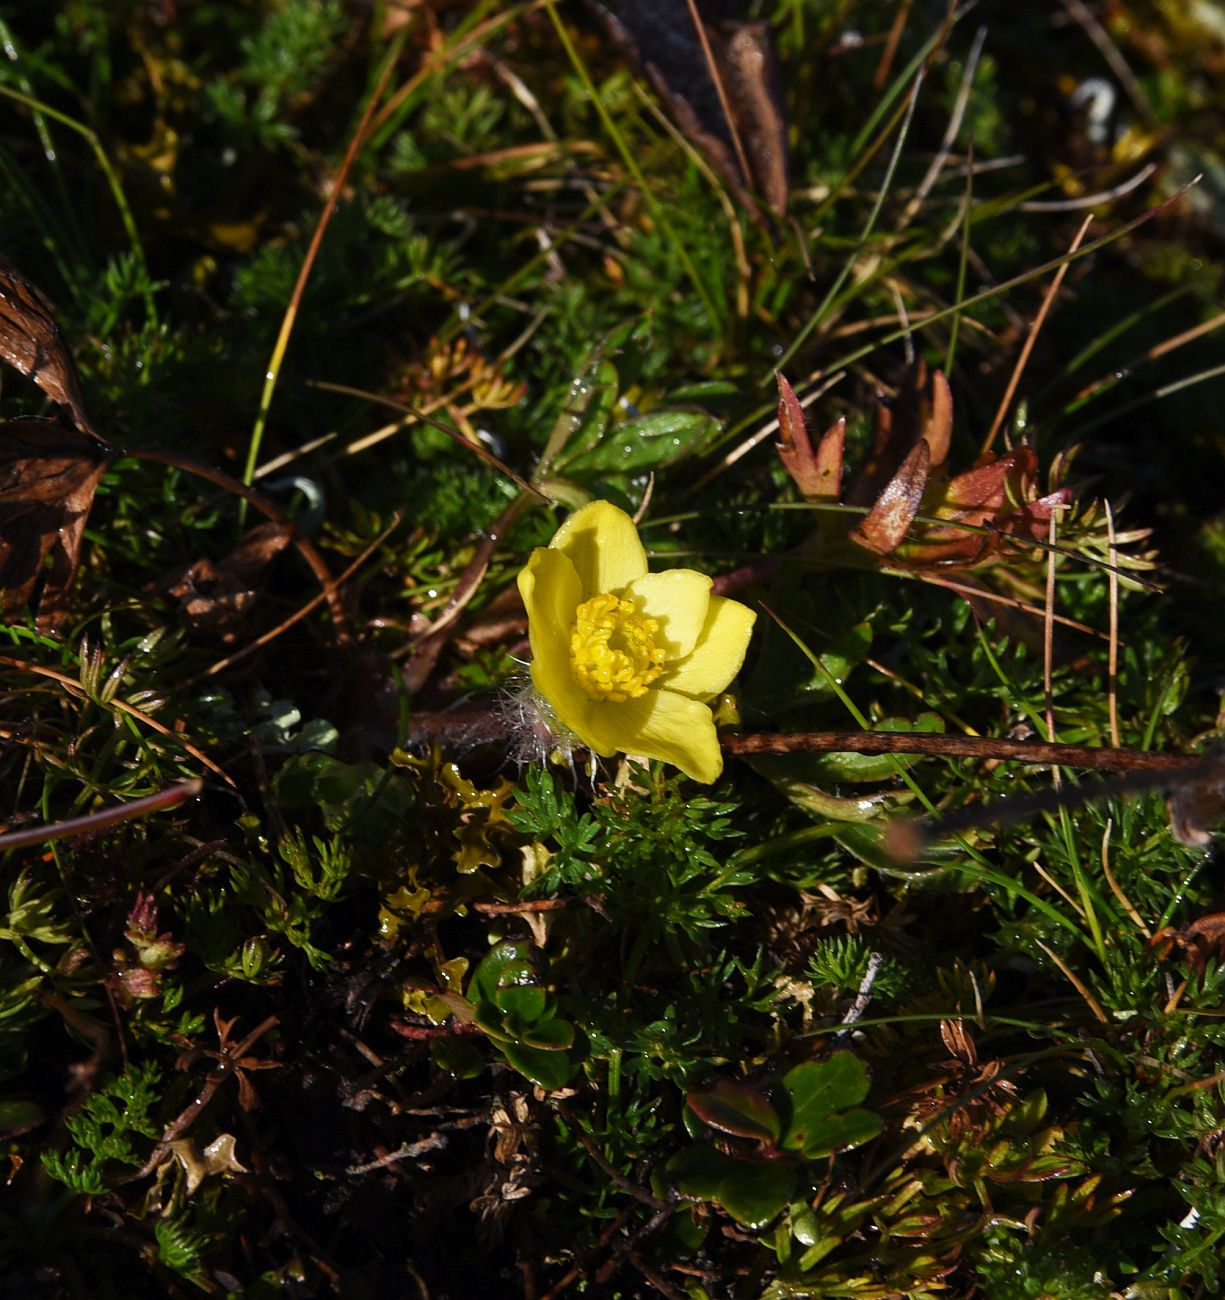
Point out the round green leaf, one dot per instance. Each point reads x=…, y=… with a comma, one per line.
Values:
x=753, y=1193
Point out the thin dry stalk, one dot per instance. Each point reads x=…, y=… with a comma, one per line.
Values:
x=1112, y=661
x=306, y=548
x=1077, y=983
x=308, y=265
x=1048, y=642
x=950, y=132
x=75, y=688
x=1035, y=329
x=1128, y=906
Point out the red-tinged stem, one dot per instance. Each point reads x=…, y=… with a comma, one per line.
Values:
x=95, y=823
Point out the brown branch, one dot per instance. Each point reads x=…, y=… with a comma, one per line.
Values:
x=942, y=746
x=104, y=819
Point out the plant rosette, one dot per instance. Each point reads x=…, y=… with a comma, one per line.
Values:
x=624, y=660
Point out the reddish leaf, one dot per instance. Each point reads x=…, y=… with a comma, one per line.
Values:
x=48, y=476
x=975, y=498
x=890, y=518
x=921, y=409
x=31, y=341
x=1033, y=519
x=988, y=494
x=737, y=1108
x=937, y=417
x=818, y=475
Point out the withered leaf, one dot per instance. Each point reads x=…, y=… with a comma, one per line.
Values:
x=48, y=476
x=31, y=341
x=1195, y=805
x=214, y=597
x=216, y=1158
x=661, y=38
x=889, y=520
x=818, y=475
x=1196, y=943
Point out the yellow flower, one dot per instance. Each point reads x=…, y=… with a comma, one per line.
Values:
x=627, y=659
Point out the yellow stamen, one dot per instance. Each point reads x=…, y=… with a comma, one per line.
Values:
x=613, y=655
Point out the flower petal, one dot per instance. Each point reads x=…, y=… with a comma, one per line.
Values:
x=678, y=599
x=602, y=544
x=719, y=652
x=662, y=725
x=550, y=590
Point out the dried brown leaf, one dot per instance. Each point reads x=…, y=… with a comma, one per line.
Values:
x=31, y=341
x=889, y=520
x=660, y=37
x=1194, y=806
x=1196, y=943
x=214, y=597
x=48, y=476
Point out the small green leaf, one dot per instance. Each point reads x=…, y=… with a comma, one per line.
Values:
x=525, y=1005
x=818, y=1092
x=649, y=442
x=589, y=409
x=457, y=1057
x=822, y=1087
x=549, y=1070
x=841, y=1132
x=698, y=1170
x=754, y=1193
x=550, y=1034
x=505, y=966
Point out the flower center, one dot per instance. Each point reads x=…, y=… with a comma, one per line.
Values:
x=613, y=655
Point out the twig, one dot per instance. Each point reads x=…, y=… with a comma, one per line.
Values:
x=713, y=68
x=950, y=132
x=429, y=644
x=1109, y=51
x=627, y=1185
x=1112, y=661
x=424, y=417
x=435, y=1142
x=942, y=746
x=1090, y=200
x=195, y=1108
x=103, y=820
x=1048, y=639
x=862, y=998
